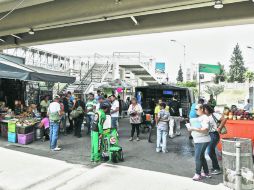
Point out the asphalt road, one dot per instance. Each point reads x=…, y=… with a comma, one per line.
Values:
x=178, y=161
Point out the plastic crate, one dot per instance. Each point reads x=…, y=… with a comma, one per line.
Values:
x=24, y=130
x=26, y=138
x=4, y=130
x=11, y=126
x=12, y=137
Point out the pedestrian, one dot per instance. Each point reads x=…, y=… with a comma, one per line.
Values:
x=199, y=128
x=44, y=104
x=175, y=121
x=70, y=99
x=212, y=102
x=248, y=106
x=100, y=100
x=65, y=116
x=162, y=128
x=114, y=111
x=79, y=107
x=90, y=108
x=54, y=112
x=135, y=111
x=120, y=105
x=216, y=121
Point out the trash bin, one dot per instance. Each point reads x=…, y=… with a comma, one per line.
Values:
x=229, y=161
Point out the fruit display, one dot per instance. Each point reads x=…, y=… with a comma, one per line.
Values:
x=24, y=122
x=237, y=114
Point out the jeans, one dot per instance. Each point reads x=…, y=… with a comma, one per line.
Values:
x=161, y=140
x=90, y=119
x=133, y=127
x=53, y=135
x=215, y=138
x=78, y=124
x=114, y=122
x=174, y=126
x=200, y=160
x=63, y=120
x=70, y=129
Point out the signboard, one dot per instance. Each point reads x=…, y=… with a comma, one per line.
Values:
x=160, y=67
x=206, y=68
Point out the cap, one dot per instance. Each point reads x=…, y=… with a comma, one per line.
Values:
x=56, y=97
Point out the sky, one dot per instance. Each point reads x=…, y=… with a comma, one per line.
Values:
x=210, y=46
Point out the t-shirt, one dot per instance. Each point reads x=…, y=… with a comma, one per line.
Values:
x=44, y=105
x=163, y=117
x=115, y=105
x=193, y=113
x=158, y=109
x=89, y=105
x=199, y=137
x=45, y=122
x=213, y=124
x=53, y=111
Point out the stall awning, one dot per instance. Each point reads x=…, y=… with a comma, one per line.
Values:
x=12, y=70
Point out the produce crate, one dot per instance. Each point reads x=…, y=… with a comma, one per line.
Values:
x=11, y=126
x=4, y=130
x=25, y=138
x=12, y=137
x=25, y=129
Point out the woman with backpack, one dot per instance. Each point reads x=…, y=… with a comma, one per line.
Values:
x=216, y=122
x=79, y=108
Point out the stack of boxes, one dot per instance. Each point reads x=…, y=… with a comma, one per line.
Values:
x=12, y=137
x=25, y=134
x=4, y=129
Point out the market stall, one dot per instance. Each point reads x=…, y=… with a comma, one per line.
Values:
x=241, y=128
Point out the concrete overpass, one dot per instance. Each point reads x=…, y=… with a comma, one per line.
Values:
x=65, y=20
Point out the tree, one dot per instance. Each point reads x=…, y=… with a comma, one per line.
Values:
x=222, y=76
x=214, y=90
x=237, y=69
x=187, y=84
x=180, y=75
x=249, y=76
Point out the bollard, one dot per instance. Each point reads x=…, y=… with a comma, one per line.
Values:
x=238, y=179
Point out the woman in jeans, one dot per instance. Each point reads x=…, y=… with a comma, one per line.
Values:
x=135, y=111
x=200, y=132
x=79, y=120
x=214, y=119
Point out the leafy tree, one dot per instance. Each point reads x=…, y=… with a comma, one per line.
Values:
x=222, y=76
x=187, y=84
x=237, y=69
x=249, y=76
x=180, y=75
x=214, y=90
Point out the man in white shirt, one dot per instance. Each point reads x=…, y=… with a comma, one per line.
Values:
x=114, y=111
x=54, y=112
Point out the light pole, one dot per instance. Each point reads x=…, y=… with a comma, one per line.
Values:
x=184, y=52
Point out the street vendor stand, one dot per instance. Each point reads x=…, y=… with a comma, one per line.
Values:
x=240, y=129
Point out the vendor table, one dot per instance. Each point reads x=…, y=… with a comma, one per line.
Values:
x=240, y=129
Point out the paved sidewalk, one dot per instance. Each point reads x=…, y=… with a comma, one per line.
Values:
x=22, y=171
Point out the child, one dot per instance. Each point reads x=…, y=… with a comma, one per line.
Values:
x=45, y=126
x=162, y=128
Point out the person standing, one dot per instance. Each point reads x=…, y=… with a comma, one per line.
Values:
x=214, y=119
x=114, y=111
x=162, y=128
x=135, y=111
x=65, y=116
x=212, y=102
x=54, y=112
x=100, y=100
x=79, y=107
x=70, y=99
x=248, y=106
x=44, y=104
x=175, y=121
x=90, y=107
x=199, y=128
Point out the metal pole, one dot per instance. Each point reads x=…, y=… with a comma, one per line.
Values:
x=238, y=181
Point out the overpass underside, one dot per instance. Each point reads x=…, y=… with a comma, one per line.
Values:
x=65, y=20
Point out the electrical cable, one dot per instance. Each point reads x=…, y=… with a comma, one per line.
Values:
x=12, y=10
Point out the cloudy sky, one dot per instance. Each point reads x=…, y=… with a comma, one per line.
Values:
x=202, y=46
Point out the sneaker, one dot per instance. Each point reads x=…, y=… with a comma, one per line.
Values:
x=56, y=149
x=215, y=172
x=131, y=139
x=165, y=151
x=158, y=150
x=197, y=177
x=138, y=139
x=178, y=133
x=205, y=175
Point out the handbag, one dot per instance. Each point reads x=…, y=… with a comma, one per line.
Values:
x=223, y=129
x=77, y=112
